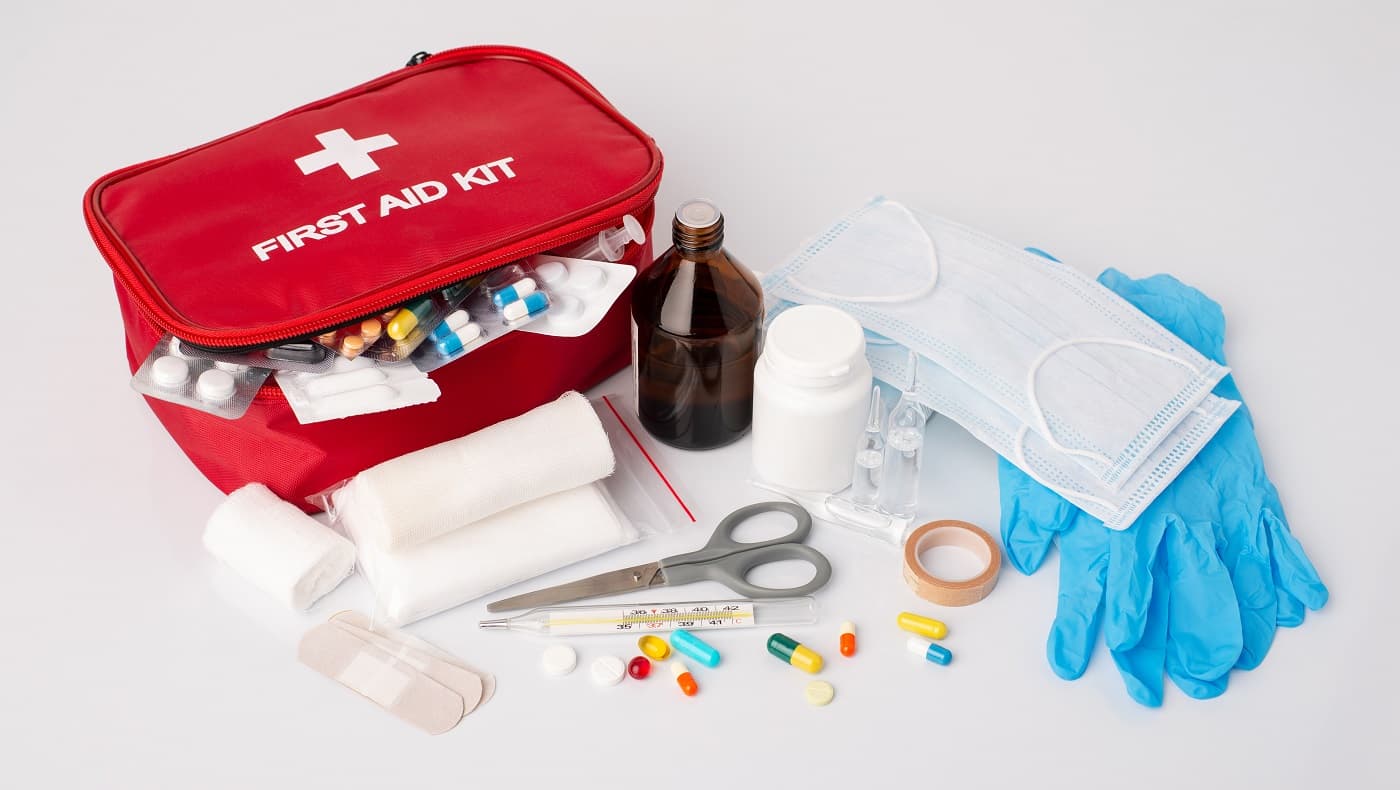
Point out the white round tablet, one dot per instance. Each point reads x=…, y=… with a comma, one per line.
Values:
x=552, y=273
x=215, y=385
x=565, y=309
x=231, y=367
x=170, y=372
x=608, y=670
x=559, y=660
x=587, y=277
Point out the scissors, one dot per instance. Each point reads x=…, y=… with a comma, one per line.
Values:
x=723, y=559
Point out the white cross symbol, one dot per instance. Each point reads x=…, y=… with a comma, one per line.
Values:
x=341, y=149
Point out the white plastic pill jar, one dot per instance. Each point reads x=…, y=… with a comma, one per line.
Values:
x=810, y=398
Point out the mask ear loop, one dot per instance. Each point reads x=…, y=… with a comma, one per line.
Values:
x=917, y=293
x=1019, y=447
x=1043, y=426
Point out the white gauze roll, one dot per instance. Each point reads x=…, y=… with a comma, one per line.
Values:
x=511, y=546
x=277, y=547
x=419, y=496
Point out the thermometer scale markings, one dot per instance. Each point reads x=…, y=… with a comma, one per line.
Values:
x=664, y=618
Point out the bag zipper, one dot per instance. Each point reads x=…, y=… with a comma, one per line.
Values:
x=456, y=271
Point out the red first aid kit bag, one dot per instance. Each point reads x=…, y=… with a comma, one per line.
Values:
x=460, y=163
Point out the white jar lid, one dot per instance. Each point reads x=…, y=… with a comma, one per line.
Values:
x=814, y=342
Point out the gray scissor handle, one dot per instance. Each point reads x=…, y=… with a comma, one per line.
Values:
x=728, y=561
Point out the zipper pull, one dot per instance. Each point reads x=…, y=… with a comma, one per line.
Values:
x=418, y=58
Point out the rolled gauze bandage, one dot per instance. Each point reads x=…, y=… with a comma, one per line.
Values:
x=419, y=496
x=511, y=546
x=277, y=547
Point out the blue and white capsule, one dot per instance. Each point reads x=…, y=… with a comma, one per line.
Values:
x=526, y=306
x=453, y=323
x=693, y=646
x=459, y=340
x=513, y=292
x=930, y=650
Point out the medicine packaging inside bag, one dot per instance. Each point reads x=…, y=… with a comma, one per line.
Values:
x=426, y=543
x=224, y=389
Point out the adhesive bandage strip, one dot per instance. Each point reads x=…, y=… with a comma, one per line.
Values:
x=384, y=679
x=467, y=684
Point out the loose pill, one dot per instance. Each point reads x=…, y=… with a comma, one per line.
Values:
x=513, y=292
x=684, y=679
x=558, y=660
x=819, y=693
x=459, y=340
x=923, y=626
x=170, y=372
x=654, y=647
x=929, y=649
x=531, y=304
x=215, y=386
x=608, y=670
x=639, y=667
x=695, y=647
x=848, y=638
x=798, y=655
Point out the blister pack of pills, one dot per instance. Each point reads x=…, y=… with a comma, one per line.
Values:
x=221, y=388
x=394, y=334
x=355, y=386
x=581, y=292
x=501, y=302
x=304, y=356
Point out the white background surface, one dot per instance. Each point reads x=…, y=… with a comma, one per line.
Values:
x=1249, y=148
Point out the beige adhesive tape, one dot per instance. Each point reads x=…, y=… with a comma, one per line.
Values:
x=961, y=535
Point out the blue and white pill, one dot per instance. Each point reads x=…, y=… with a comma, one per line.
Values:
x=459, y=340
x=454, y=321
x=513, y=292
x=695, y=647
x=930, y=650
x=531, y=304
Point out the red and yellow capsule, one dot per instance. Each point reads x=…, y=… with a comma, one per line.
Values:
x=684, y=679
x=848, y=638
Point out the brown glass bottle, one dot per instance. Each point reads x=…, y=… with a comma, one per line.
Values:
x=696, y=318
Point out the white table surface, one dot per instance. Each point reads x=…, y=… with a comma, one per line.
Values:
x=1249, y=148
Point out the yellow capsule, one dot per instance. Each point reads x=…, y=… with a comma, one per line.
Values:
x=923, y=626
x=654, y=647
x=796, y=654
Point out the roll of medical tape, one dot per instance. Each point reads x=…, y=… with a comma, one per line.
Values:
x=951, y=533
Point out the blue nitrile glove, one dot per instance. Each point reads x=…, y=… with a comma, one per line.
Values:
x=1201, y=580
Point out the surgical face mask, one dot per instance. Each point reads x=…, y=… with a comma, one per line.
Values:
x=1000, y=430
x=1094, y=377
x=1052, y=370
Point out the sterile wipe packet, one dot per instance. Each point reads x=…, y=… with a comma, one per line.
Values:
x=356, y=386
x=581, y=292
x=224, y=389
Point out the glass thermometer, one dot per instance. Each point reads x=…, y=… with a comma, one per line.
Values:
x=642, y=618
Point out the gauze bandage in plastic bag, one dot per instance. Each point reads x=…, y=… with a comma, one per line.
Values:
x=485, y=555
x=997, y=428
x=417, y=497
x=1097, y=380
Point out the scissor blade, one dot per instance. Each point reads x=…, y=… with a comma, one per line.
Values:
x=625, y=580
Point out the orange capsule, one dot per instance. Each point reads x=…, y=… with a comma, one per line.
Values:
x=848, y=638
x=684, y=679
